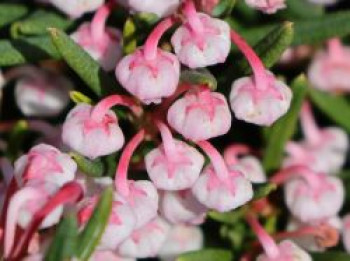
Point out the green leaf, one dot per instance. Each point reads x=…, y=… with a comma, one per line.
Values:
x=78, y=97
x=199, y=77
x=223, y=8
x=129, y=37
x=11, y=12
x=38, y=23
x=92, y=168
x=320, y=29
x=270, y=48
x=301, y=9
x=283, y=130
x=64, y=243
x=230, y=217
x=27, y=50
x=263, y=190
x=206, y=255
x=335, y=107
x=81, y=62
x=92, y=233
x=331, y=255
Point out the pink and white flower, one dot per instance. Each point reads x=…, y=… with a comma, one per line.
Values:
x=76, y=8
x=160, y=8
x=267, y=6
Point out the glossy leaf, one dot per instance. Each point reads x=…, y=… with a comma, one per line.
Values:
x=199, y=77
x=81, y=62
x=206, y=255
x=27, y=50
x=337, y=108
x=270, y=48
x=64, y=243
x=38, y=23
x=11, y=12
x=329, y=255
x=284, y=128
x=92, y=168
x=263, y=190
x=92, y=233
x=78, y=97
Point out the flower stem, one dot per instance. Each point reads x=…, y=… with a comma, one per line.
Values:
x=269, y=245
x=151, y=45
x=98, y=23
x=216, y=159
x=168, y=140
x=308, y=124
x=121, y=176
x=312, y=179
x=192, y=17
x=260, y=75
x=107, y=103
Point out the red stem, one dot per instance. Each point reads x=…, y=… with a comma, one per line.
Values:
x=192, y=17
x=98, y=23
x=308, y=124
x=232, y=152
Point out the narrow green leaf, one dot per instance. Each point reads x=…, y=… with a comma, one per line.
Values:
x=331, y=255
x=223, y=8
x=263, y=190
x=129, y=36
x=78, y=97
x=27, y=50
x=38, y=23
x=199, y=77
x=230, y=217
x=64, y=243
x=206, y=255
x=11, y=12
x=92, y=168
x=270, y=48
x=284, y=128
x=301, y=9
x=81, y=62
x=92, y=233
x=337, y=108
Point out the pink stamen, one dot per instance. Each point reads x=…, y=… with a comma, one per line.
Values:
x=335, y=49
x=308, y=124
x=101, y=109
x=312, y=179
x=232, y=152
x=69, y=193
x=260, y=76
x=98, y=24
x=192, y=17
x=121, y=179
x=16, y=203
x=151, y=45
x=269, y=245
x=216, y=159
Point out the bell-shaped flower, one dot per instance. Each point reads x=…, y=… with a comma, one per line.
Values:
x=323, y=150
x=174, y=165
x=182, y=207
x=150, y=73
x=101, y=42
x=200, y=114
x=46, y=163
x=40, y=93
x=260, y=99
x=160, y=8
x=76, y=8
x=181, y=239
x=108, y=256
x=330, y=69
x=310, y=196
x=120, y=225
x=146, y=241
x=315, y=236
x=141, y=195
x=93, y=131
x=202, y=40
x=218, y=187
x=267, y=6
x=237, y=158
x=285, y=250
